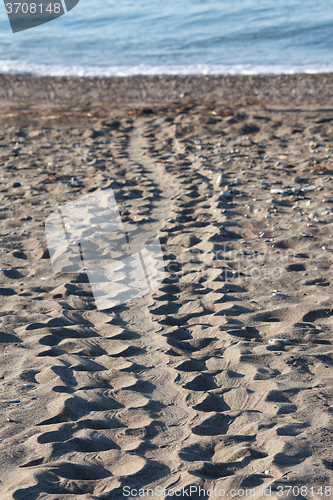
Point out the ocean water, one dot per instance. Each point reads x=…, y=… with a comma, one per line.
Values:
x=126, y=37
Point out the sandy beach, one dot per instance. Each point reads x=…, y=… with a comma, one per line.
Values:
x=221, y=379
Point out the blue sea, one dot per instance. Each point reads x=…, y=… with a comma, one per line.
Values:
x=127, y=37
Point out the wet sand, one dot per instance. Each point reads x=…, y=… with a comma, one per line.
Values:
x=288, y=90
x=222, y=377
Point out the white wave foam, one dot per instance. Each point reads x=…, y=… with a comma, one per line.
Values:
x=17, y=67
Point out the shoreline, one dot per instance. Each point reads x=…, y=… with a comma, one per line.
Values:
x=296, y=89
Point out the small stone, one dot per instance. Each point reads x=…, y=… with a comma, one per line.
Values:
x=219, y=180
x=225, y=193
x=278, y=342
x=16, y=185
x=278, y=191
x=307, y=189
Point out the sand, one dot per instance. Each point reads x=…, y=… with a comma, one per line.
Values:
x=222, y=377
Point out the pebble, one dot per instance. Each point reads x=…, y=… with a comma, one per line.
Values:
x=219, y=180
x=270, y=200
x=279, y=342
x=279, y=294
x=263, y=235
x=28, y=385
x=278, y=191
x=11, y=401
x=16, y=185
